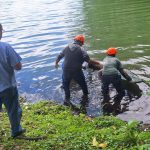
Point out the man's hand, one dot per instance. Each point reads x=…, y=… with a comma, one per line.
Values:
x=18, y=66
x=56, y=65
x=129, y=79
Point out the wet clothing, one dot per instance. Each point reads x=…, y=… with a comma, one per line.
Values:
x=74, y=56
x=115, y=80
x=78, y=76
x=111, y=75
x=8, y=89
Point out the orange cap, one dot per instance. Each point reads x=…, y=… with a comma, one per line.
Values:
x=111, y=51
x=80, y=38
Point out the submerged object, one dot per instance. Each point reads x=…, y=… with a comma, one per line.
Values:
x=93, y=64
x=135, y=78
x=132, y=86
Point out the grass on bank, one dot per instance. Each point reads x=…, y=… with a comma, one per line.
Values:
x=64, y=131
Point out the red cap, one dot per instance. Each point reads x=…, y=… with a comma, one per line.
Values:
x=80, y=38
x=111, y=51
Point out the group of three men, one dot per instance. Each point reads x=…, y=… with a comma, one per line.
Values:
x=74, y=56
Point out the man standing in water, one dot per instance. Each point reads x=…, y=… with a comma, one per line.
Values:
x=111, y=74
x=74, y=56
x=10, y=61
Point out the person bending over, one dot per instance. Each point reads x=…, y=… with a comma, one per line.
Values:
x=74, y=55
x=111, y=74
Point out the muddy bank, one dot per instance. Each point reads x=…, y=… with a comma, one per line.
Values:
x=138, y=109
x=135, y=104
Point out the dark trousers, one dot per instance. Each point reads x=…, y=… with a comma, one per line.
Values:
x=78, y=76
x=9, y=98
x=116, y=81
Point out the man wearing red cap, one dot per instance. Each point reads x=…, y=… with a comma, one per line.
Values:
x=74, y=55
x=111, y=74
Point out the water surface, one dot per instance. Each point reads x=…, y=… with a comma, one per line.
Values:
x=40, y=29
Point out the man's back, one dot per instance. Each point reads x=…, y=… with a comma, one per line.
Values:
x=73, y=57
x=111, y=66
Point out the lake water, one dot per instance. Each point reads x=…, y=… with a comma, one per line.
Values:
x=39, y=29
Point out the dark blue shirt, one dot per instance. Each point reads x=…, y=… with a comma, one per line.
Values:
x=74, y=56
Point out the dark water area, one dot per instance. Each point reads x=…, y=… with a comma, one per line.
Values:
x=39, y=29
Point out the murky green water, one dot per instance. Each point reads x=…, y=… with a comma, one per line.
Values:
x=120, y=23
x=123, y=24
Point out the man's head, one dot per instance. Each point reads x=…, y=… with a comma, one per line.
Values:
x=80, y=39
x=111, y=51
x=1, y=30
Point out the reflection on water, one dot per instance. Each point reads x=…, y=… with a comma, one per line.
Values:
x=40, y=29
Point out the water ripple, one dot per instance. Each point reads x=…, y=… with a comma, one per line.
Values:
x=40, y=29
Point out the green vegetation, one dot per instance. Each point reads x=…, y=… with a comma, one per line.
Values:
x=64, y=131
x=148, y=81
